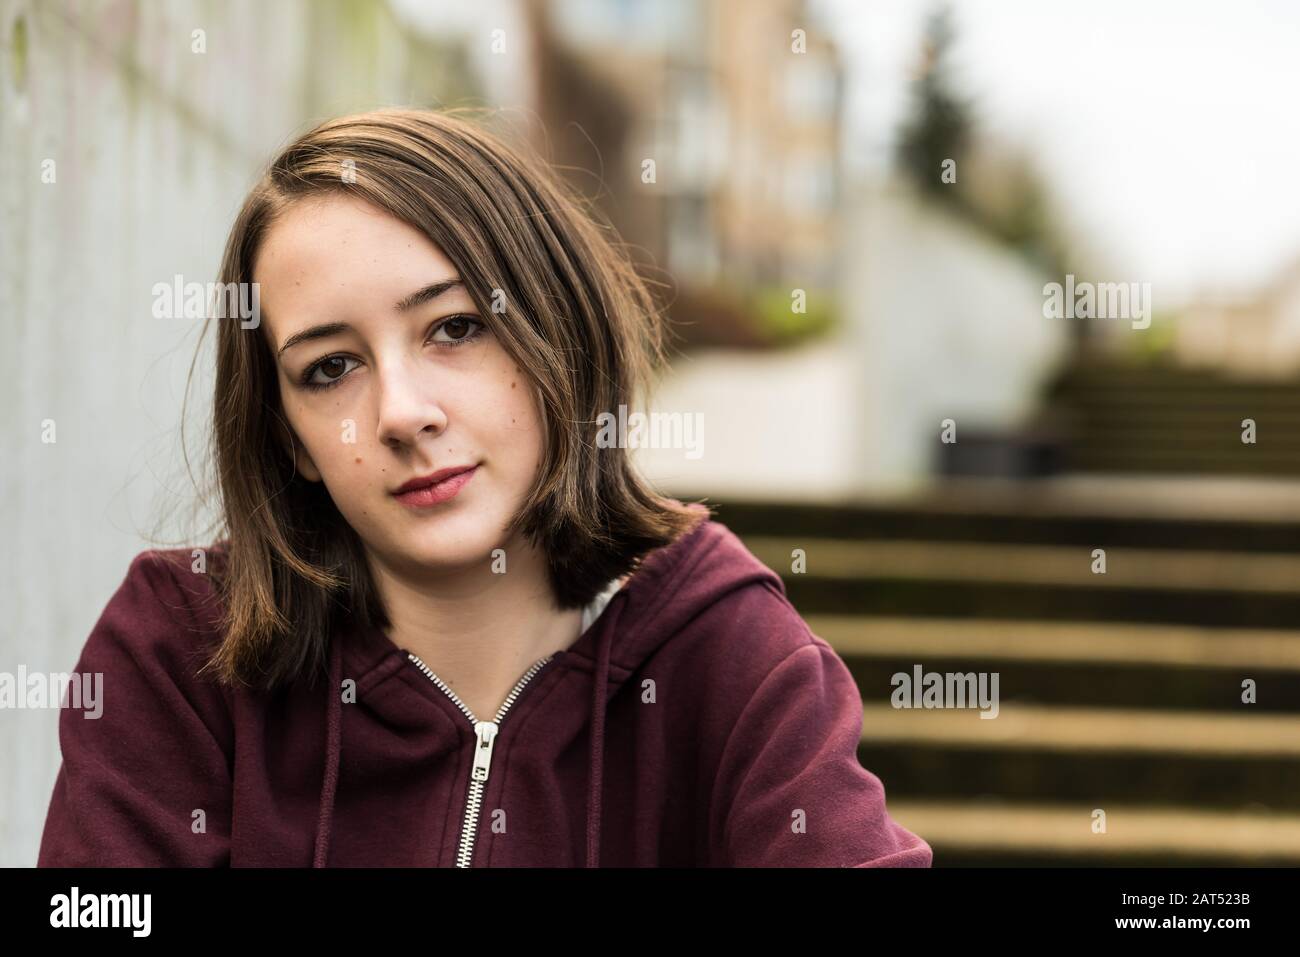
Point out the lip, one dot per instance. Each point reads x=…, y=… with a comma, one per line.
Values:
x=434, y=489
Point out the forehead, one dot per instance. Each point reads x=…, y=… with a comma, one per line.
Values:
x=343, y=232
x=338, y=257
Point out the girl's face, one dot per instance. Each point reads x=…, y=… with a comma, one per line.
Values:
x=387, y=376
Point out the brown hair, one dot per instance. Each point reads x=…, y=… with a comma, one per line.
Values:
x=580, y=323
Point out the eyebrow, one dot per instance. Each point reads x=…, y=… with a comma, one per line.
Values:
x=429, y=293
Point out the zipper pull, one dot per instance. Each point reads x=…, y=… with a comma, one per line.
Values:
x=487, y=732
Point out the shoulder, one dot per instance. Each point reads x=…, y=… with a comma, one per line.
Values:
x=163, y=617
x=748, y=596
x=734, y=615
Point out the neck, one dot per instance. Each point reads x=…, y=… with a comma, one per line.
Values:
x=478, y=631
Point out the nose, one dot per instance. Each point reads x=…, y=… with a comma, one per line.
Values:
x=408, y=404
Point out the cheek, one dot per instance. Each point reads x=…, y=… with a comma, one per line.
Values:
x=332, y=441
x=525, y=411
x=516, y=400
x=517, y=422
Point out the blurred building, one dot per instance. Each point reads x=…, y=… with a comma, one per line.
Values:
x=1254, y=336
x=740, y=116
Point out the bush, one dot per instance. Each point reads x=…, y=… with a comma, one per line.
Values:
x=780, y=325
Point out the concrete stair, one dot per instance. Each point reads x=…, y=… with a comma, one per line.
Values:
x=975, y=833
x=1120, y=692
x=1154, y=419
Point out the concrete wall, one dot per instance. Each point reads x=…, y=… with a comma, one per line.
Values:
x=945, y=324
x=938, y=323
x=153, y=146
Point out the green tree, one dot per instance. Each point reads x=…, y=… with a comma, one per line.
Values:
x=941, y=125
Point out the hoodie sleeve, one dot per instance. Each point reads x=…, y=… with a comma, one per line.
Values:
x=794, y=791
x=134, y=779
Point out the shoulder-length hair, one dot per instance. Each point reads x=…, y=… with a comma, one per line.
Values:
x=580, y=323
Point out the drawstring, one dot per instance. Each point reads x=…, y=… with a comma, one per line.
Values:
x=595, y=766
x=597, y=763
x=333, y=729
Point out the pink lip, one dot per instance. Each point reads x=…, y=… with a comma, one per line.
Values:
x=437, y=493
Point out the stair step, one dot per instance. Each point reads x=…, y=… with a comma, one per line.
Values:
x=1038, y=564
x=1181, y=404
x=1087, y=729
x=1073, y=665
x=1206, y=514
x=1133, y=756
x=1031, y=582
x=1180, y=466
x=1064, y=643
x=1062, y=834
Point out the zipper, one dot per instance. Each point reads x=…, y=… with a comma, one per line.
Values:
x=485, y=733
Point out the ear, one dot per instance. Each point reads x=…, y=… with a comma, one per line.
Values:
x=303, y=462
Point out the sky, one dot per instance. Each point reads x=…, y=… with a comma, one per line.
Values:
x=1169, y=130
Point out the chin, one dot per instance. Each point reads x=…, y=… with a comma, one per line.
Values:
x=454, y=536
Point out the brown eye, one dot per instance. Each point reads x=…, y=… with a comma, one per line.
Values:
x=334, y=369
x=457, y=330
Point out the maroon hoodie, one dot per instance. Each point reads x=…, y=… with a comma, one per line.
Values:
x=696, y=722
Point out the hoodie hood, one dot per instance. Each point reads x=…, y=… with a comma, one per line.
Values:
x=664, y=572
